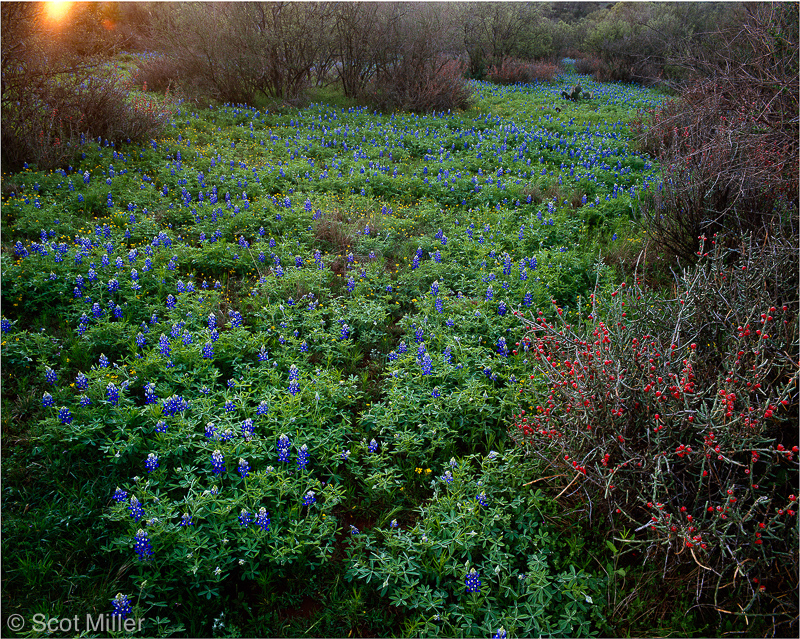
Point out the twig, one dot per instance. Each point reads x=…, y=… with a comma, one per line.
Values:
x=533, y=481
x=568, y=485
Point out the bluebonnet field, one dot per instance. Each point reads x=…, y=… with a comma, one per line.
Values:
x=285, y=344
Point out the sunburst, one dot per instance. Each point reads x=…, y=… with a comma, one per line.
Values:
x=57, y=10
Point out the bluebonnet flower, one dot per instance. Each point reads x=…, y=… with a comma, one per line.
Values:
x=262, y=408
x=482, y=499
x=186, y=520
x=435, y=393
x=135, y=509
x=247, y=428
x=309, y=498
x=51, y=376
x=447, y=477
x=171, y=301
x=262, y=519
x=245, y=518
x=435, y=288
x=142, y=545
x=528, y=299
x=161, y=426
x=112, y=394
x=187, y=338
x=119, y=495
x=212, y=321
x=502, y=309
x=207, y=351
x=473, y=581
x=214, y=335
x=64, y=415
x=373, y=446
x=351, y=284
x=103, y=361
x=263, y=356
x=294, y=387
x=164, y=346
x=97, y=311
x=284, y=446
x=345, y=331
x=113, y=285
x=230, y=406
x=439, y=305
x=236, y=318
x=122, y=606
x=502, y=348
x=402, y=348
x=354, y=530
x=218, y=462
x=174, y=404
x=345, y=454
x=427, y=364
x=302, y=457
x=394, y=524
x=47, y=400
x=501, y=632
x=227, y=435
x=304, y=347
x=211, y=430
x=489, y=293
x=244, y=467
x=151, y=463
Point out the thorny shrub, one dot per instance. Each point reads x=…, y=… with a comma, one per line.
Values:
x=676, y=417
x=513, y=71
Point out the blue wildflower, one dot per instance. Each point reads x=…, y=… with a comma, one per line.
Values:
x=218, y=462
x=473, y=581
x=151, y=463
x=122, y=606
x=302, y=457
x=284, y=446
x=245, y=518
x=135, y=509
x=112, y=394
x=142, y=545
x=262, y=519
x=244, y=467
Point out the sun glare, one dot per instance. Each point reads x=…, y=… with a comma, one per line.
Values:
x=57, y=10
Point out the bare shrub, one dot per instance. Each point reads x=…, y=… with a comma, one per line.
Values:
x=422, y=86
x=513, y=71
x=588, y=66
x=234, y=52
x=156, y=72
x=728, y=145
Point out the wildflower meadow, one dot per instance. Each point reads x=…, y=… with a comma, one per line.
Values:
x=328, y=371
